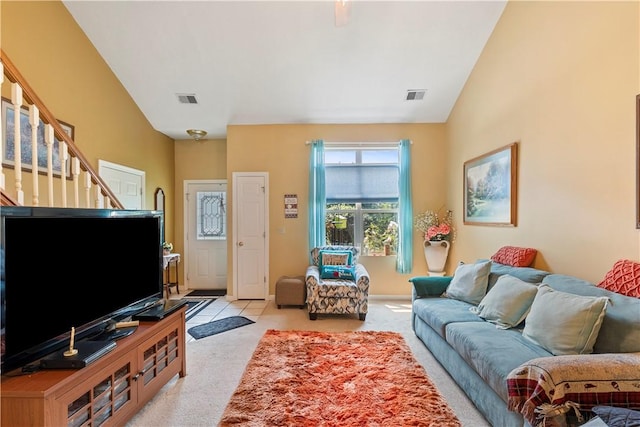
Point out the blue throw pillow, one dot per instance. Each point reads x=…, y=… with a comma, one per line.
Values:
x=345, y=272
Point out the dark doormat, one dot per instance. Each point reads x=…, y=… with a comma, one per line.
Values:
x=218, y=326
x=207, y=293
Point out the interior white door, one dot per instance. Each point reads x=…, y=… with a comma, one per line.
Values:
x=206, y=234
x=251, y=240
x=126, y=183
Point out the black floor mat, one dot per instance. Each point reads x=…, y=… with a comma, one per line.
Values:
x=218, y=326
x=207, y=293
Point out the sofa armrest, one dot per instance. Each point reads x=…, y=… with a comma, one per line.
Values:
x=429, y=286
x=586, y=379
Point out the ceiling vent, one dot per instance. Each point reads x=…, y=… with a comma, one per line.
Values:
x=415, y=95
x=187, y=98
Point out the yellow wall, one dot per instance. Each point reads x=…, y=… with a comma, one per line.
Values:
x=77, y=86
x=205, y=159
x=280, y=150
x=560, y=78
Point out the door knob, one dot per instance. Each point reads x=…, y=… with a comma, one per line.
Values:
x=240, y=243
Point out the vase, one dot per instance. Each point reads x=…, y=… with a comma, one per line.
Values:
x=435, y=253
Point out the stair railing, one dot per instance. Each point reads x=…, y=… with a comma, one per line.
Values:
x=89, y=190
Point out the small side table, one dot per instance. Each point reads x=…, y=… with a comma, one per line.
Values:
x=169, y=261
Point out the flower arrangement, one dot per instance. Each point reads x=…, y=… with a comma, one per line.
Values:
x=435, y=228
x=167, y=246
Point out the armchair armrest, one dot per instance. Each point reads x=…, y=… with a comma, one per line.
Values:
x=429, y=286
x=313, y=271
x=362, y=279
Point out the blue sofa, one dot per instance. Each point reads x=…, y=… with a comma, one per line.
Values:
x=480, y=357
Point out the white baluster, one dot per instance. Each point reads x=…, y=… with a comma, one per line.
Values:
x=16, y=100
x=34, y=120
x=48, y=140
x=97, y=202
x=63, y=172
x=1, y=124
x=76, y=181
x=87, y=188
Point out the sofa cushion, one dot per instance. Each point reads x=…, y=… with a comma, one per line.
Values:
x=469, y=282
x=507, y=303
x=619, y=332
x=492, y=352
x=623, y=278
x=527, y=274
x=515, y=256
x=564, y=323
x=439, y=312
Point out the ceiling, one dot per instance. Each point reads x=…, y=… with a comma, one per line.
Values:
x=276, y=62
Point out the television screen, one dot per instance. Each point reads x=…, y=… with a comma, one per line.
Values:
x=65, y=267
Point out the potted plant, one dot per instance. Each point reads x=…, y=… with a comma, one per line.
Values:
x=438, y=233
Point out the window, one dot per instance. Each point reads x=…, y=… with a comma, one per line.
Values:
x=362, y=197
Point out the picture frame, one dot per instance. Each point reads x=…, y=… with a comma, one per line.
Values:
x=638, y=161
x=8, y=152
x=490, y=188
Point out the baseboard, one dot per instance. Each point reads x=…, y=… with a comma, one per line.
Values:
x=390, y=297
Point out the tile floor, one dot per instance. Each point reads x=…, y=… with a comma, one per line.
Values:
x=222, y=308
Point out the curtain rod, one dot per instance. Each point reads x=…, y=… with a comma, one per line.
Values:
x=358, y=144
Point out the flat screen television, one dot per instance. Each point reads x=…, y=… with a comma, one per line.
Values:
x=66, y=267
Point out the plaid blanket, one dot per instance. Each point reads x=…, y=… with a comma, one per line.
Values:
x=588, y=380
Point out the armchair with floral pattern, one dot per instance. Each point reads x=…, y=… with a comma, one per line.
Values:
x=340, y=285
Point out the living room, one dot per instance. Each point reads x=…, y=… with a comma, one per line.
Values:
x=570, y=105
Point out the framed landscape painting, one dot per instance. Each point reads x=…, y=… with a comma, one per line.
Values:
x=8, y=149
x=490, y=187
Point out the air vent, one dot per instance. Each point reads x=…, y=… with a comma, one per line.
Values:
x=187, y=98
x=415, y=95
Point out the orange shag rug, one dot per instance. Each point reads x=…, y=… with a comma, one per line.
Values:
x=362, y=378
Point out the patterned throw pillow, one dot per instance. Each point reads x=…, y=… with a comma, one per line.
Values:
x=623, y=278
x=514, y=256
x=315, y=252
x=344, y=272
x=335, y=258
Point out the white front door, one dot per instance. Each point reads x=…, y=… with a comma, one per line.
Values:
x=250, y=237
x=205, y=234
x=126, y=183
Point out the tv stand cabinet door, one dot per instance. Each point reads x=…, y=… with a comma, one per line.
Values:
x=109, y=397
x=161, y=357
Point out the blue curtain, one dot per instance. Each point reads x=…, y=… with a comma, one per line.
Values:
x=317, y=236
x=404, y=261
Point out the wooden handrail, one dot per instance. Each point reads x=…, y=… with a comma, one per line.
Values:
x=29, y=94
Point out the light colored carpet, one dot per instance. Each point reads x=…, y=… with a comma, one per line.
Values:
x=215, y=365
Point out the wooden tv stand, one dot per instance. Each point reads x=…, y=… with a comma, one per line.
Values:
x=108, y=391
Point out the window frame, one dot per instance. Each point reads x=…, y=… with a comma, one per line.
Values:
x=359, y=212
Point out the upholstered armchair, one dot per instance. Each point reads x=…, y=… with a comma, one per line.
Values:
x=336, y=283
